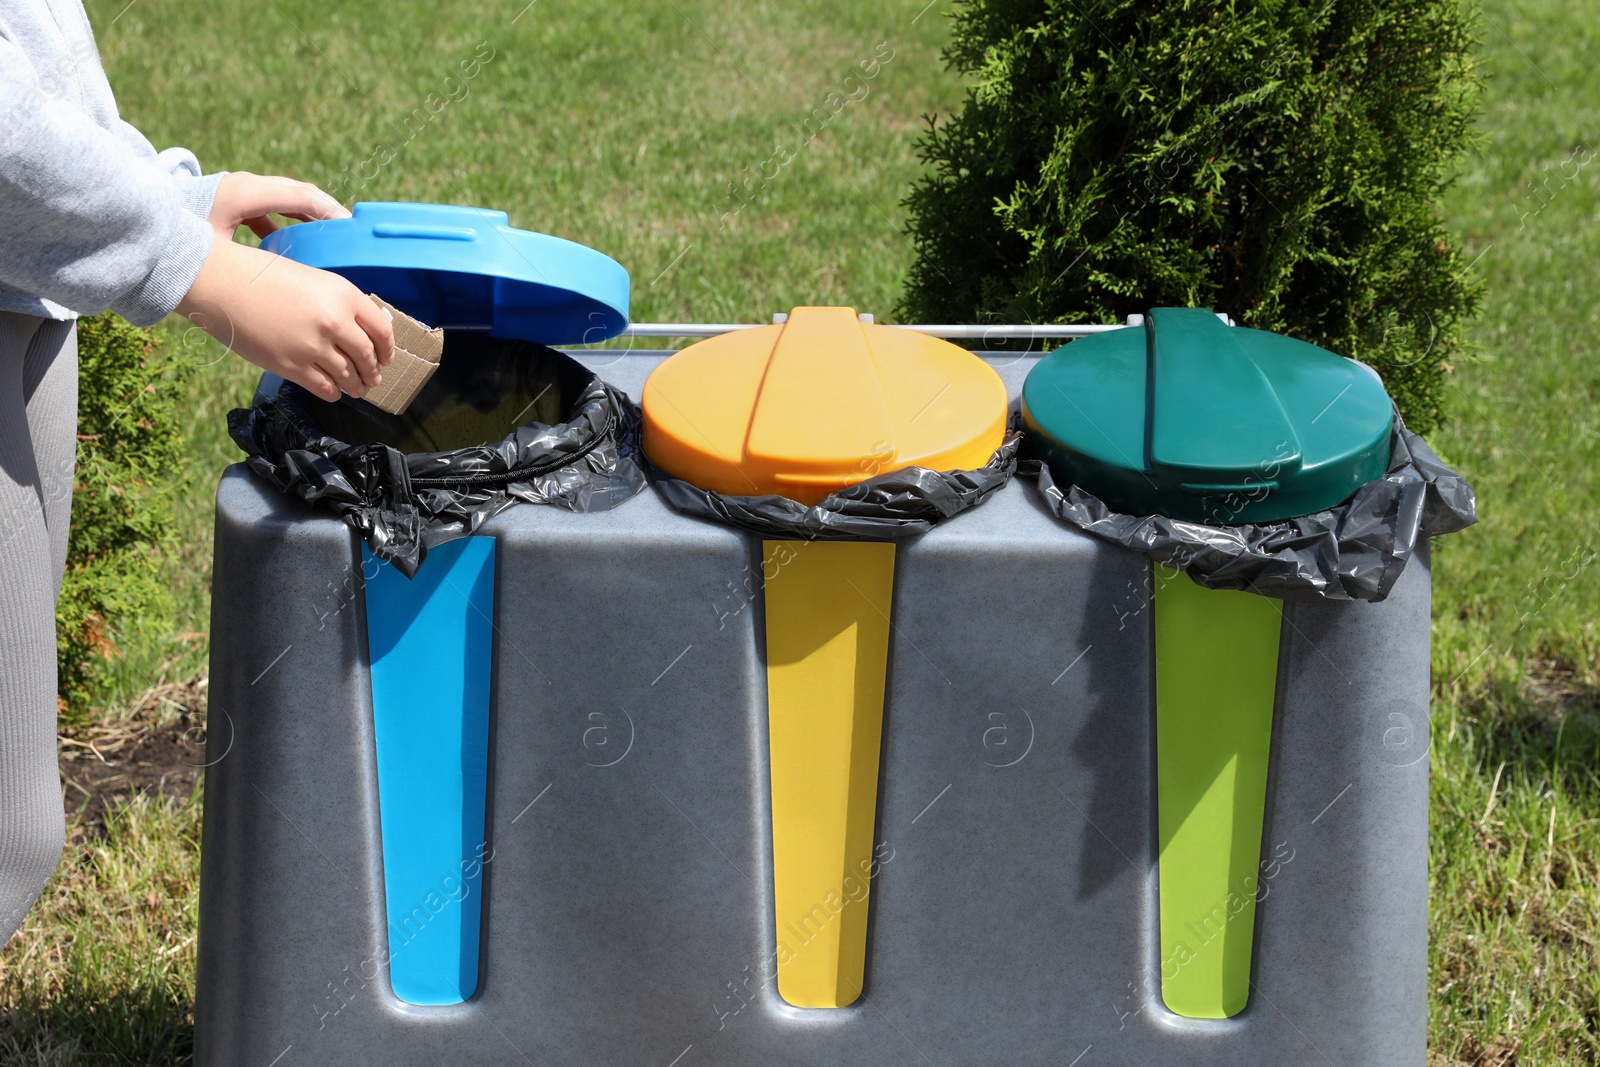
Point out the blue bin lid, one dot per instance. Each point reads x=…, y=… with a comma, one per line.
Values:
x=466, y=268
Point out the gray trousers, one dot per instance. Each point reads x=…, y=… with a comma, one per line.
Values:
x=38, y=428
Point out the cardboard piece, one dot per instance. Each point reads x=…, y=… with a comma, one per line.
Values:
x=416, y=356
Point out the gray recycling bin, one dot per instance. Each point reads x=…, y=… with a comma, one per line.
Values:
x=1011, y=905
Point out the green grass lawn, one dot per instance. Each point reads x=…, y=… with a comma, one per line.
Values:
x=621, y=126
x=1516, y=802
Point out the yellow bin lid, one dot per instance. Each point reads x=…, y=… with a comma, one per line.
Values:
x=822, y=401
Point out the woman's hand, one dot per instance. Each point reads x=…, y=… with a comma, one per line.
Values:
x=307, y=325
x=245, y=199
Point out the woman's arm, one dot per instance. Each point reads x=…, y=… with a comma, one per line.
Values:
x=89, y=223
x=82, y=222
x=304, y=324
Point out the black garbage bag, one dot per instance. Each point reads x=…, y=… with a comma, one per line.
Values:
x=1355, y=551
x=894, y=506
x=502, y=421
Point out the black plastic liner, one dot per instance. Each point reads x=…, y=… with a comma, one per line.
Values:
x=502, y=421
x=1355, y=551
x=894, y=506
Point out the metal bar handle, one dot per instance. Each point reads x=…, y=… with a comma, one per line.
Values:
x=1025, y=332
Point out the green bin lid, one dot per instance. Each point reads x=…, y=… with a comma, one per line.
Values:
x=1194, y=419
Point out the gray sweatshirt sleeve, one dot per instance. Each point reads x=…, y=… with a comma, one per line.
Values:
x=195, y=190
x=84, y=221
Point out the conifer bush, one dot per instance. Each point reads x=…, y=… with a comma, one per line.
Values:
x=1278, y=161
x=127, y=482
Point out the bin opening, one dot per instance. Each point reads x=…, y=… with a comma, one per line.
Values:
x=484, y=389
x=503, y=421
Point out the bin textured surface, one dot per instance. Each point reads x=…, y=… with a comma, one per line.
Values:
x=627, y=888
